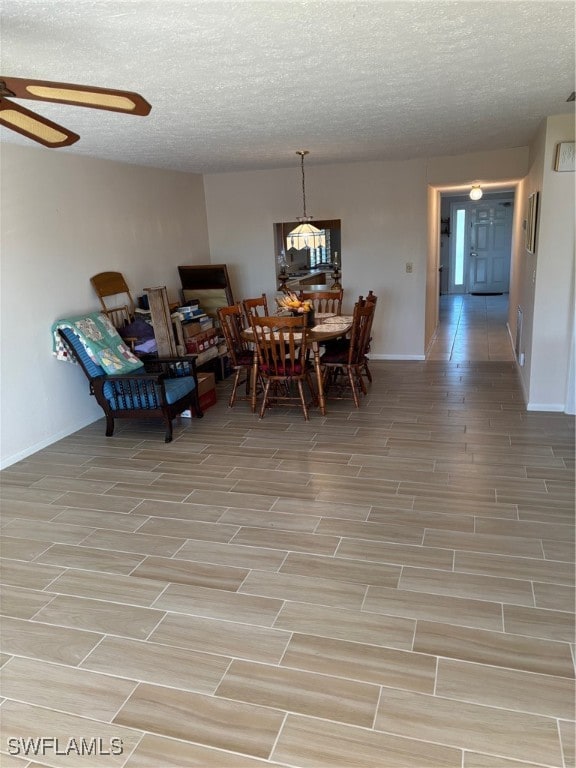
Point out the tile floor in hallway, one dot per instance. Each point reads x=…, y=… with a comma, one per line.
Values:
x=387, y=587
x=472, y=328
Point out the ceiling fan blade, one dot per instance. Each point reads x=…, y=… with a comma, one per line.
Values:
x=79, y=95
x=35, y=126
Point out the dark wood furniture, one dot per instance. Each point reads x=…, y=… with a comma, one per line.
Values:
x=210, y=286
x=207, y=283
x=256, y=307
x=370, y=298
x=324, y=301
x=342, y=364
x=281, y=347
x=163, y=389
x=327, y=329
x=239, y=352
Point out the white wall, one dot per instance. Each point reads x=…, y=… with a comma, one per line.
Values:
x=554, y=297
x=478, y=167
x=543, y=282
x=65, y=218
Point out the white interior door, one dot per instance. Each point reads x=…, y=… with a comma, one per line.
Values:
x=490, y=247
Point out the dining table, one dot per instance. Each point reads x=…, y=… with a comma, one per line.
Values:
x=327, y=326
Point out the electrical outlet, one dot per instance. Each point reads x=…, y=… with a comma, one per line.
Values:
x=409, y=267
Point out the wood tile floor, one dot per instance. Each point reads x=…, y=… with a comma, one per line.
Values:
x=388, y=587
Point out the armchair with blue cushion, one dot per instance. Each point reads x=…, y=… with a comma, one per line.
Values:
x=124, y=386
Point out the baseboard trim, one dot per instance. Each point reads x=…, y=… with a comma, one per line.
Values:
x=7, y=462
x=550, y=407
x=397, y=357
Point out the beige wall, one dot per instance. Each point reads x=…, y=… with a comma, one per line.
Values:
x=477, y=167
x=543, y=283
x=64, y=218
x=383, y=211
x=554, y=296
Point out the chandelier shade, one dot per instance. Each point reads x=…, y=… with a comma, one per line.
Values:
x=306, y=235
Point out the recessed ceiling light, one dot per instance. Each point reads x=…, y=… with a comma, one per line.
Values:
x=572, y=96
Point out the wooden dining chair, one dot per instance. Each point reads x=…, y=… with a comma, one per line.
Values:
x=257, y=307
x=120, y=306
x=281, y=347
x=324, y=301
x=343, y=364
x=370, y=299
x=108, y=284
x=239, y=352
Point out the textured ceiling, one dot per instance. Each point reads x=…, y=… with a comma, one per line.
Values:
x=242, y=85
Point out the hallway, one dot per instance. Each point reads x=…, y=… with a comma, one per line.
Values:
x=472, y=328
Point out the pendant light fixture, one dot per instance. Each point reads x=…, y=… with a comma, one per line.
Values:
x=476, y=192
x=305, y=235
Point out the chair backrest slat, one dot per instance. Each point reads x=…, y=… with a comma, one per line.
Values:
x=108, y=284
x=231, y=324
x=256, y=307
x=324, y=301
x=281, y=344
x=360, y=332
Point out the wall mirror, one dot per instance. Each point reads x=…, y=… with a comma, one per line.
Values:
x=300, y=259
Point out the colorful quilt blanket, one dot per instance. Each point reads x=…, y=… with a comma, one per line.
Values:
x=102, y=342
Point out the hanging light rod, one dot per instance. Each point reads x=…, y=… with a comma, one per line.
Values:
x=305, y=235
x=304, y=217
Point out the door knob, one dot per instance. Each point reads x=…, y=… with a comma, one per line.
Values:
x=473, y=253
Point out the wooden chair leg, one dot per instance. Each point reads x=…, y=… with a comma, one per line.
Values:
x=168, y=438
x=302, y=398
x=265, y=398
x=234, y=388
x=195, y=405
x=109, y=425
x=353, y=386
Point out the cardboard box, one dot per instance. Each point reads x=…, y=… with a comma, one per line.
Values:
x=206, y=382
x=193, y=327
x=207, y=399
x=206, y=392
x=200, y=342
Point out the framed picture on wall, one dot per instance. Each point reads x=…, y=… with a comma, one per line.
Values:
x=565, y=156
x=531, y=222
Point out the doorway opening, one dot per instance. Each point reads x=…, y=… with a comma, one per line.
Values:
x=476, y=244
x=465, y=227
